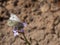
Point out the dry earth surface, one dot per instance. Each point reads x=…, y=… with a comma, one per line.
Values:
x=42, y=18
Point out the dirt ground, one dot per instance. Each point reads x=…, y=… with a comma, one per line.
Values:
x=42, y=18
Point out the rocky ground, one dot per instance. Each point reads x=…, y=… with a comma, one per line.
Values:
x=42, y=18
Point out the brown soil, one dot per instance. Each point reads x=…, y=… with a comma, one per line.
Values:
x=42, y=18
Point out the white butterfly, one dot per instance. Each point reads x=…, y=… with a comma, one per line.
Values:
x=13, y=20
